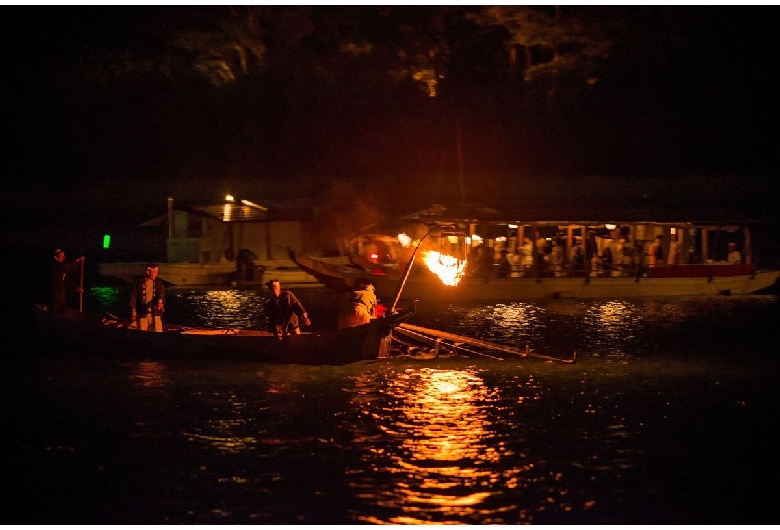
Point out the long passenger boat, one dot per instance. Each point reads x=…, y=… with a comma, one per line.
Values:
x=500, y=256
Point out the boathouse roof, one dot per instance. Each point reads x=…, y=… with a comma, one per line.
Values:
x=253, y=211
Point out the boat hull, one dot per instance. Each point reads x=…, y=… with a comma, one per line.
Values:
x=172, y=273
x=338, y=273
x=108, y=337
x=528, y=289
x=184, y=274
x=286, y=271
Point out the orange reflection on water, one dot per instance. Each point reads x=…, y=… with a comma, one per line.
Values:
x=610, y=328
x=514, y=315
x=222, y=439
x=444, y=462
x=226, y=308
x=226, y=428
x=513, y=324
x=218, y=432
x=150, y=374
x=613, y=316
x=443, y=419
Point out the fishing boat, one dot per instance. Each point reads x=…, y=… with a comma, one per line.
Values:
x=520, y=263
x=107, y=336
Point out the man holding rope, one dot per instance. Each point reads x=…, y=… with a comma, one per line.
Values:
x=61, y=281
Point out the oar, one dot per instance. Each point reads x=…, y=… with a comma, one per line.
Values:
x=81, y=287
x=484, y=344
x=436, y=343
x=399, y=289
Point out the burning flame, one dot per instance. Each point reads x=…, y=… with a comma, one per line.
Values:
x=448, y=268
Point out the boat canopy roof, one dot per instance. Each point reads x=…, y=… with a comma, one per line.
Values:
x=566, y=212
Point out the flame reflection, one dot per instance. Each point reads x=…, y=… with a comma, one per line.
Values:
x=445, y=455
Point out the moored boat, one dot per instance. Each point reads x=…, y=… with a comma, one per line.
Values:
x=694, y=280
x=687, y=280
x=519, y=259
x=182, y=274
x=227, y=243
x=213, y=274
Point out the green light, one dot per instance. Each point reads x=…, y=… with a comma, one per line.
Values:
x=106, y=241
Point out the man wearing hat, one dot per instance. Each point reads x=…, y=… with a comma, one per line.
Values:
x=61, y=281
x=147, y=301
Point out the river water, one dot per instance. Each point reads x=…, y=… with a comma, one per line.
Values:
x=667, y=417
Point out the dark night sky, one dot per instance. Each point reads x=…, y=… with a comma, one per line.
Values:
x=684, y=105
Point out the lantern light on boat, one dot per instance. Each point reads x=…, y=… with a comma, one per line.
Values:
x=610, y=226
x=405, y=240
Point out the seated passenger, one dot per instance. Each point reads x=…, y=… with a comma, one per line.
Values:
x=556, y=258
x=504, y=266
x=734, y=257
x=577, y=260
x=625, y=262
x=606, y=259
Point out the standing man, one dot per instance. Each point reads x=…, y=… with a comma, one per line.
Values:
x=147, y=300
x=285, y=311
x=61, y=282
x=673, y=258
x=655, y=252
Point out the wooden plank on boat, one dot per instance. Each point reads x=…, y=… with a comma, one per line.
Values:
x=420, y=331
x=436, y=344
x=481, y=343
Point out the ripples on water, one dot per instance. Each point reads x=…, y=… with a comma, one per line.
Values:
x=665, y=419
